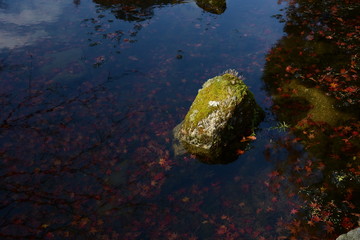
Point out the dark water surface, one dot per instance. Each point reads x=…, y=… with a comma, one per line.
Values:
x=90, y=92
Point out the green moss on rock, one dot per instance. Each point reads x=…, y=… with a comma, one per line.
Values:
x=219, y=92
x=223, y=111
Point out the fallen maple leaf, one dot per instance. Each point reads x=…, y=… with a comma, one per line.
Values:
x=290, y=69
x=350, y=89
x=334, y=85
x=248, y=138
x=274, y=174
x=316, y=219
x=346, y=223
x=251, y=138
x=185, y=199
x=329, y=228
x=294, y=211
x=222, y=230
x=311, y=223
x=240, y=152
x=311, y=136
x=162, y=162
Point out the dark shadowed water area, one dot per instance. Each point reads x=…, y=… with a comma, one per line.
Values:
x=90, y=92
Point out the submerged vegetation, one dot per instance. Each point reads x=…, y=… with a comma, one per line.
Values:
x=312, y=75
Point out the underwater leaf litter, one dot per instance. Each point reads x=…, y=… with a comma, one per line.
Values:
x=315, y=70
x=96, y=163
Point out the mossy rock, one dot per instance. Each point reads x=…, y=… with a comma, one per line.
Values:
x=212, y=6
x=351, y=235
x=222, y=113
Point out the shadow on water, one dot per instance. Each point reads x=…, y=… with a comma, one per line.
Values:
x=127, y=10
x=312, y=76
x=138, y=10
x=77, y=2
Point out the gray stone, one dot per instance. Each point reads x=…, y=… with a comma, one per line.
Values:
x=351, y=235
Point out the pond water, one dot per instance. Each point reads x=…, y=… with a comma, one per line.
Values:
x=92, y=90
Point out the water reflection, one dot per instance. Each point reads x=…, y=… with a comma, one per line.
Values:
x=212, y=6
x=128, y=10
x=3, y=4
x=312, y=76
x=55, y=170
x=21, y=21
x=86, y=152
x=77, y=2
x=85, y=155
x=31, y=13
x=141, y=10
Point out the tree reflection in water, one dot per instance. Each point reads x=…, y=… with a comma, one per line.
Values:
x=312, y=76
x=138, y=12
x=77, y=2
x=141, y=10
